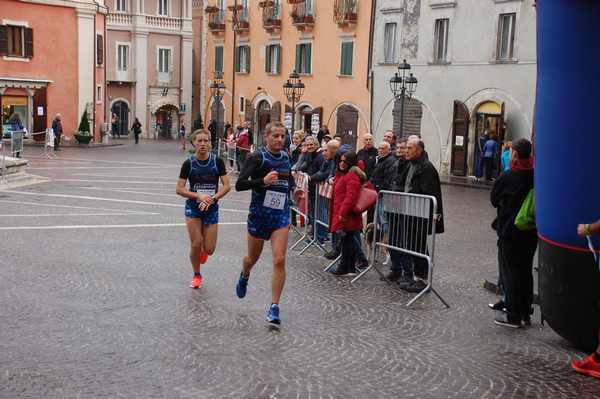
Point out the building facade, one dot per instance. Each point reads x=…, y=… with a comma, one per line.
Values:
x=50, y=68
x=149, y=65
x=475, y=61
x=257, y=44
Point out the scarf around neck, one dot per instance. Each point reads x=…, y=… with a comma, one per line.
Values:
x=520, y=165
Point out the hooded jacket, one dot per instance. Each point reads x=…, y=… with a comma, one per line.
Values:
x=346, y=189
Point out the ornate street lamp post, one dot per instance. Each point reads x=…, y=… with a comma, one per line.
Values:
x=293, y=89
x=217, y=91
x=403, y=85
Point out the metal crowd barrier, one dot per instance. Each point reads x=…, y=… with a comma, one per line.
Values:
x=226, y=150
x=322, y=207
x=411, y=223
x=300, y=208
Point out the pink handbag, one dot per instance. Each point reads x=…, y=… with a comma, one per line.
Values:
x=366, y=199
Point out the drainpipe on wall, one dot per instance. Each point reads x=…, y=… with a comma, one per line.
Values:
x=181, y=66
x=233, y=69
x=370, y=73
x=94, y=62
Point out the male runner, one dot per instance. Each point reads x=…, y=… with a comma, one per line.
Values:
x=267, y=172
x=203, y=171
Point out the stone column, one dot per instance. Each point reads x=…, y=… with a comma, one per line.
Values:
x=186, y=78
x=140, y=45
x=30, y=110
x=86, y=59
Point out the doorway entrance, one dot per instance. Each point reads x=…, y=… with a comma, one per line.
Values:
x=489, y=124
x=121, y=109
x=347, y=125
x=263, y=118
x=167, y=122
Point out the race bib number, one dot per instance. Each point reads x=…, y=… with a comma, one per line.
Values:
x=206, y=192
x=275, y=200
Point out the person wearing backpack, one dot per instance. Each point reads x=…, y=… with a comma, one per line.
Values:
x=516, y=247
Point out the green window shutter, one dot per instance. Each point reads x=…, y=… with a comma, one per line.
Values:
x=298, y=57
x=29, y=46
x=248, y=59
x=237, y=59
x=309, y=58
x=219, y=59
x=268, y=59
x=346, y=61
x=278, y=59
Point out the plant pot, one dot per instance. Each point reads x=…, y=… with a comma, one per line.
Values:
x=309, y=19
x=351, y=16
x=83, y=139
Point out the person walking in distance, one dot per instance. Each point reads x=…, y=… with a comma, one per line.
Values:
x=591, y=364
x=182, y=136
x=203, y=170
x=114, y=121
x=267, y=172
x=58, y=129
x=137, y=130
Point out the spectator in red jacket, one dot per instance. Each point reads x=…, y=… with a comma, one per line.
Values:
x=243, y=146
x=346, y=189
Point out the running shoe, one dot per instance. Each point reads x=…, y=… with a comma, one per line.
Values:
x=589, y=366
x=196, y=281
x=203, y=257
x=503, y=320
x=242, y=285
x=273, y=314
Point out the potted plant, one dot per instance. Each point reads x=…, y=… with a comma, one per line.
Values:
x=309, y=19
x=83, y=135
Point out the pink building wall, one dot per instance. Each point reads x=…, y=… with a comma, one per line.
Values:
x=54, y=55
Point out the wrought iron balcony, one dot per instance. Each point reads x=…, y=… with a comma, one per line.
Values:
x=216, y=19
x=302, y=13
x=345, y=12
x=271, y=14
x=240, y=18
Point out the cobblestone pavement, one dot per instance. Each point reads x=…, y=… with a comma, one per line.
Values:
x=95, y=303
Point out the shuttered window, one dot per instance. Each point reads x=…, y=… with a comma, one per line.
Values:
x=219, y=59
x=346, y=60
x=242, y=59
x=99, y=50
x=16, y=41
x=273, y=59
x=303, y=58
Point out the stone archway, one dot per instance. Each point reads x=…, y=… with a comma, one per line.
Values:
x=167, y=122
x=263, y=118
x=121, y=109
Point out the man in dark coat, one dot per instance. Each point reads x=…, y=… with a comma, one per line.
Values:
x=516, y=248
x=368, y=154
x=383, y=173
x=58, y=130
x=418, y=176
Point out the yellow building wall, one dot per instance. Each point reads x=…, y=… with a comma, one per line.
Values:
x=324, y=87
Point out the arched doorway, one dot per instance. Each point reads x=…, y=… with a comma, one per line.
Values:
x=347, y=124
x=263, y=118
x=489, y=123
x=167, y=122
x=303, y=118
x=121, y=109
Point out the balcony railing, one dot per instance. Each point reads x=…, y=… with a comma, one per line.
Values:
x=163, y=22
x=242, y=18
x=345, y=12
x=302, y=14
x=271, y=15
x=119, y=18
x=216, y=19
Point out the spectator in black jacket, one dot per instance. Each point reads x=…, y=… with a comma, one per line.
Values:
x=419, y=176
x=390, y=137
x=368, y=154
x=516, y=248
x=383, y=173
